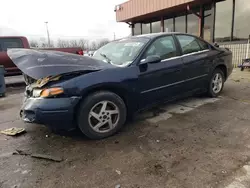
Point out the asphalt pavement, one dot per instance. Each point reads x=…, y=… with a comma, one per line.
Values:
x=193, y=143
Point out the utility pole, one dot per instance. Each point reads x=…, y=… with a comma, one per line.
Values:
x=46, y=23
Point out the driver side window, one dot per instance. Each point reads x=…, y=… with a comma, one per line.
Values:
x=163, y=47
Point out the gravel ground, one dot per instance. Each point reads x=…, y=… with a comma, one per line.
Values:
x=192, y=143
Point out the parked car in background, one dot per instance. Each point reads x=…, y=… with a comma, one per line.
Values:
x=11, y=42
x=74, y=50
x=8, y=42
x=85, y=53
x=98, y=94
x=91, y=53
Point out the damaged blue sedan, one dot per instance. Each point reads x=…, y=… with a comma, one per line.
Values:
x=97, y=94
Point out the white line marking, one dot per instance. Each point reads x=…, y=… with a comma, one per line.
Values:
x=181, y=108
x=178, y=109
x=197, y=102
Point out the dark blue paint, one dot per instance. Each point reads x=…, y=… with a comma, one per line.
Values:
x=140, y=86
x=58, y=112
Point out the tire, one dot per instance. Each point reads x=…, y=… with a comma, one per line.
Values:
x=242, y=69
x=211, y=91
x=90, y=115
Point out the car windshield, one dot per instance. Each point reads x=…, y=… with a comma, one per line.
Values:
x=122, y=52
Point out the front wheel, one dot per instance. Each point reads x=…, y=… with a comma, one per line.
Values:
x=101, y=115
x=216, y=83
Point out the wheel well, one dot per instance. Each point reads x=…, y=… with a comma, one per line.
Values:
x=224, y=69
x=118, y=91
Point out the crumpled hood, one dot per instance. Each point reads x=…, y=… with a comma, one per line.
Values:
x=41, y=63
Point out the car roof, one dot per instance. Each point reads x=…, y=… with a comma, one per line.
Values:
x=151, y=35
x=154, y=35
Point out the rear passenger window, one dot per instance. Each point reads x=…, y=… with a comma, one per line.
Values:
x=6, y=43
x=188, y=44
x=163, y=47
x=204, y=45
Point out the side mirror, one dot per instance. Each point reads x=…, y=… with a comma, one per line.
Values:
x=151, y=59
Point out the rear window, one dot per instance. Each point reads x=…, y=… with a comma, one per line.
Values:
x=6, y=43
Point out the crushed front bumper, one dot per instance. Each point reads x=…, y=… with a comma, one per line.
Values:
x=53, y=112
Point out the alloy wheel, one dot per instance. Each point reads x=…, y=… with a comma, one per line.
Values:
x=104, y=116
x=217, y=83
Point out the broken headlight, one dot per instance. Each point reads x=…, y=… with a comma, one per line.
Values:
x=48, y=92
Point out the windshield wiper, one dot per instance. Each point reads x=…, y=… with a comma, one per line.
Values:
x=105, y=56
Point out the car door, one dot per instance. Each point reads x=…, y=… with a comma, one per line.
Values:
x=195, y=59
x=160, y=81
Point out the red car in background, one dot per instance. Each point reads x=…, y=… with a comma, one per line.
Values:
x=22, y=42
x=77, y=50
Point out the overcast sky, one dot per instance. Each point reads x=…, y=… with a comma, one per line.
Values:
x=67, y=18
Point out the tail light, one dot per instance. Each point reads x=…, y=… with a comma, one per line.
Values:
x=80, y=52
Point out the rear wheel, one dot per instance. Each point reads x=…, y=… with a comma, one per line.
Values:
x=216, y=83
x=101, y=114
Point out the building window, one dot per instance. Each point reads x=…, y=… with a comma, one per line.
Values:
x=208, y=24
x=156, y=27
x=180, y=24
x=193, y=24
x=223, y=21
x=137, y=29
x=169, y=25
x=145, y=28
x=241, y=21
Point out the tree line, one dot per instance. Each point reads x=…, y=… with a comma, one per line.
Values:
x=62, y=43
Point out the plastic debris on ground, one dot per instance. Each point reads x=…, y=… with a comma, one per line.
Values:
x=118, y=172
x=13, y=131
